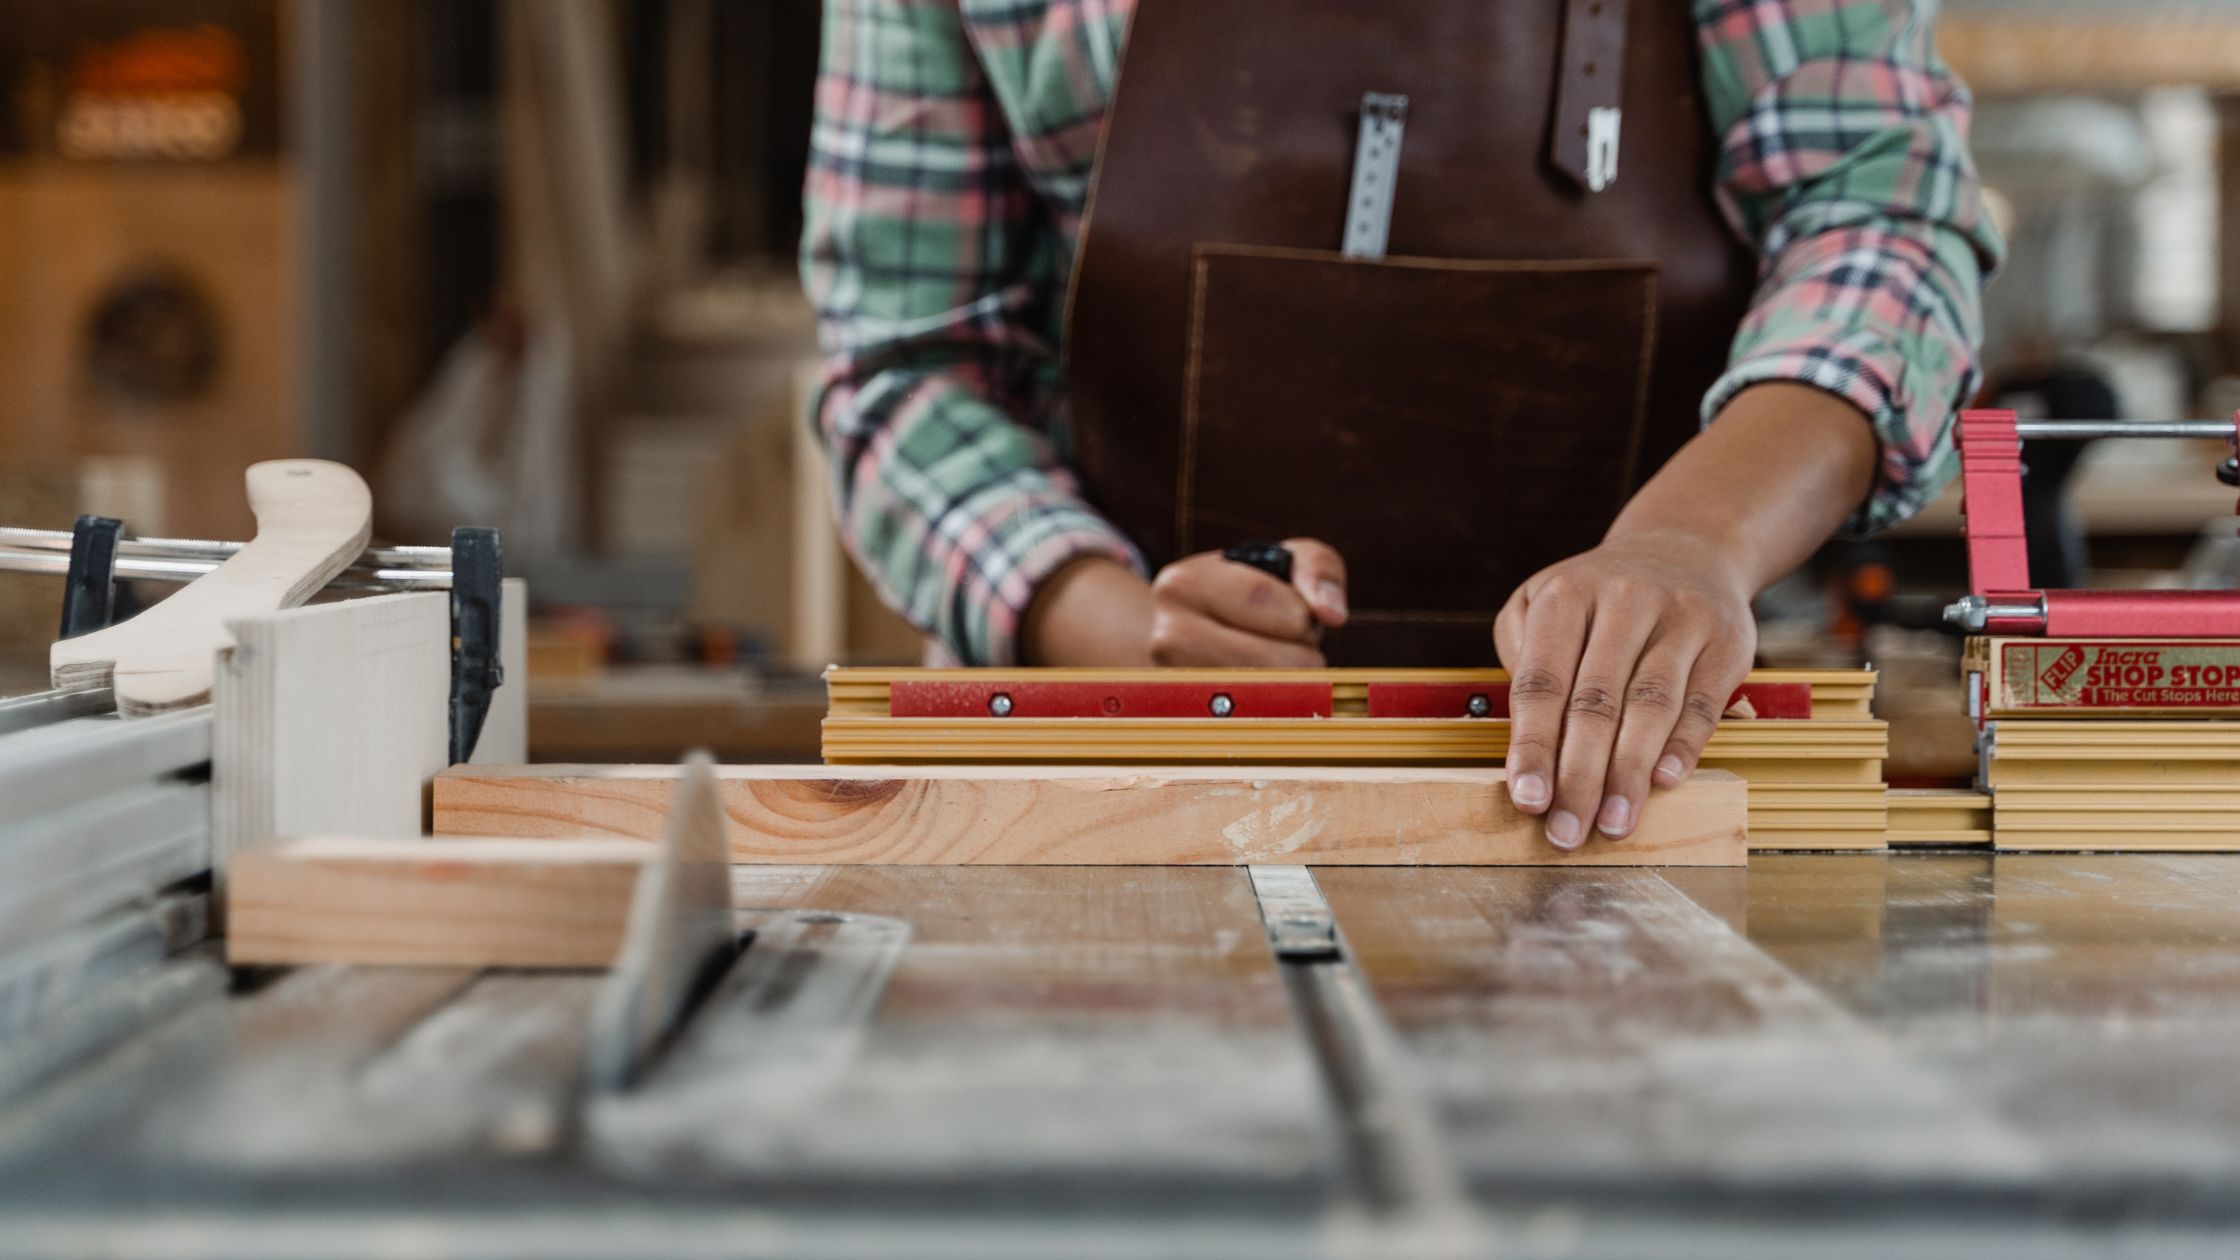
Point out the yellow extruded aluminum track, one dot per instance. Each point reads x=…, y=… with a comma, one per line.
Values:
x=1814, y=783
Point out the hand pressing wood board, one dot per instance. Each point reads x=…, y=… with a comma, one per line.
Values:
x=1093, y=816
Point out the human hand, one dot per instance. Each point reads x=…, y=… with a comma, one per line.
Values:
x=1621, y=661
x=1210, y=610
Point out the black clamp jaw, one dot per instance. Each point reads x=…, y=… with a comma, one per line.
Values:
x=1273, y=559
x=89, y=593
x=477, y=586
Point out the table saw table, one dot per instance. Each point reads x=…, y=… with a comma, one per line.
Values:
x=1873, y=1055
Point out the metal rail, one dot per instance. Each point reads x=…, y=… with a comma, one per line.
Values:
x=200, y=549
x=2082, y=430
x=367, y=573
x=22, y=713
x=81, y=759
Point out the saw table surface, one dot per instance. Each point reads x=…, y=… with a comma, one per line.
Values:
x=1918, y=1053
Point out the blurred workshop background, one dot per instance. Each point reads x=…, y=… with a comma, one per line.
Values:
x=529, y=263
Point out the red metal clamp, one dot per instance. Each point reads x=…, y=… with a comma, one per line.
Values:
x=2003, y=600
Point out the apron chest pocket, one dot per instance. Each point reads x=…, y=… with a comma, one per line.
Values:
x=1450, y=426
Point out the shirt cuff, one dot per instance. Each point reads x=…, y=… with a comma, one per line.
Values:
x=1030, y=544
x=1912, y=425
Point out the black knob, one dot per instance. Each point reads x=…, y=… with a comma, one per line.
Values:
x=1273, y=559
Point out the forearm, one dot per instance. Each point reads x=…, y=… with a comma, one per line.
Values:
x=1092, y=612
x=1763, y=486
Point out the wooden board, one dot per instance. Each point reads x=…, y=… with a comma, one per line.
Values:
x=451, y=902
x=1072, y=815
x=1567, y=1025
x=313, y=518
x=1111, y=1031
x=330, y=720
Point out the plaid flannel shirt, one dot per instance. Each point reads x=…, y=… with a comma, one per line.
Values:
x=949, y=169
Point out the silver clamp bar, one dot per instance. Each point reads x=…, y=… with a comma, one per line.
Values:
x=1376, y=174
x=2085, y=430
x=23, y=713
x=200, y=549
x=182, y=560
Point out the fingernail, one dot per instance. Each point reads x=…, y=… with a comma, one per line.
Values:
x=1529, y=792
x=1563, y=829
x=1616, y=818
x=1331, y=596
x=1670, y=770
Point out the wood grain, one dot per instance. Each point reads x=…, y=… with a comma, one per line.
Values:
x=1590, y=1027
x=1074, y=815
x=1124, y=1030
x=313, y=518
x=453, y=902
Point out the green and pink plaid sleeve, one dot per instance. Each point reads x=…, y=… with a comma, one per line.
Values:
x=1844, y=157
x=948, y=174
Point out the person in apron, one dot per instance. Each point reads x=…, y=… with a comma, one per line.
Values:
x=1441, y=293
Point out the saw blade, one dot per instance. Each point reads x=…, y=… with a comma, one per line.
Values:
x=680, y=939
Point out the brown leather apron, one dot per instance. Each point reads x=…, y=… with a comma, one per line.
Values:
x=1457, y=415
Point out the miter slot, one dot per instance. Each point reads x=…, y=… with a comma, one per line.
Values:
x=1300, y=926
x=1399, y=1164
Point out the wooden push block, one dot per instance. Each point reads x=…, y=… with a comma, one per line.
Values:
x=1093, y=815
x=447, y=902
x=313, y=518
